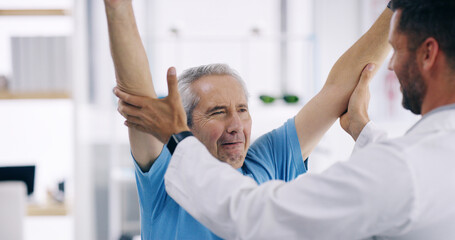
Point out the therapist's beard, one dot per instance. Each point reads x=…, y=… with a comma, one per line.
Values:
x=414, y=90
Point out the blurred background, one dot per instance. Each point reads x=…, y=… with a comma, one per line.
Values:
x=58, y=113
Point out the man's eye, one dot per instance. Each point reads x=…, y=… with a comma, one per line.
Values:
x=243, y=110
x=217, y=113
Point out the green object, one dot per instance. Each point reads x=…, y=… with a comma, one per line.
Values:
x=290, y=98
x=287, y=98
x=267, y=99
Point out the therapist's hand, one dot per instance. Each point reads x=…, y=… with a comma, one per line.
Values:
x=159, y=117
x=356, y=117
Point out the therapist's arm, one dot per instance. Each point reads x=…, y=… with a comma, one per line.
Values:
x=350, y=200
x=316, y=117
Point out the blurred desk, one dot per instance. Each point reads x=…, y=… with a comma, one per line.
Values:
x=48, y=209
x=5, y=95
x=34, y=12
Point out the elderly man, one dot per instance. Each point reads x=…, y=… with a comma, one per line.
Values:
x=389, y=189
x=216, y=105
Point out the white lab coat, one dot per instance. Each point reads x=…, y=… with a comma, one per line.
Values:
x=402, y=188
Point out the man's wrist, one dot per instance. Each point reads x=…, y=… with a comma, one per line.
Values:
x=175, y=139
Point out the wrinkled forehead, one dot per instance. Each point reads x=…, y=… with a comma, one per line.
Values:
x=219, y=90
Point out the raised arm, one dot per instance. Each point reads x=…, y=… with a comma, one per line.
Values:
x=316, y=117
x=132, y=72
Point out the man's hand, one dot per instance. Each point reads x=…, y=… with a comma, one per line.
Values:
x=356, y=117
x=159, y=117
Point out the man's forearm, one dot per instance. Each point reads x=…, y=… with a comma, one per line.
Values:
x=132, y=73
x=372, y=47
x=316, y=117
x=130, y=60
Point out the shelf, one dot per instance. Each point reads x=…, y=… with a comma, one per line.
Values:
x=34, y=12
x=47, y=210
x=34, y=95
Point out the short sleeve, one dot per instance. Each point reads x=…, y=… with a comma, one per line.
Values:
x=150, y=185
x=277, y=154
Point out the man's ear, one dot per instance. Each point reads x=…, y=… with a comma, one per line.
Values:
x=428, y=53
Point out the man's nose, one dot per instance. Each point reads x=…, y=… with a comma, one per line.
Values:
x=234, y=123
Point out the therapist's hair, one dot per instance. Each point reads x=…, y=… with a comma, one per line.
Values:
x=421, y=19
x=189, y=98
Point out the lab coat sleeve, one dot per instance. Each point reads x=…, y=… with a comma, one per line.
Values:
x=350, y=200
x=371, y=133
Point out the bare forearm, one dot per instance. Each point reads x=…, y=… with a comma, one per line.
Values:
x=130, y=60
x=372, y=47
x=316, y=117
x=132, y=73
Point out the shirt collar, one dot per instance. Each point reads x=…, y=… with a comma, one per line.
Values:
x=444, y=117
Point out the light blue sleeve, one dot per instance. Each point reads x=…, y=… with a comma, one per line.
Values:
x=150, y=186
x=277, y=154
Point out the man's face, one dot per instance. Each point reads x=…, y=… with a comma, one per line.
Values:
x=404, y=63
x=221, y=120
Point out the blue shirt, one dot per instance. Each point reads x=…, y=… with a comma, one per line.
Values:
x=275, y=155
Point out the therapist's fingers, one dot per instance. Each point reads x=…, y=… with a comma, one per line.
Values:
x=172, y=82
x=126, y=109
x=175, y=103
x=134, y=119
x=356, y=117
x=360, y=98
x=128, y=98
x=136, y=126
x=365, y=78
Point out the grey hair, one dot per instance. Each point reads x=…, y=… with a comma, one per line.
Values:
x=189, y=98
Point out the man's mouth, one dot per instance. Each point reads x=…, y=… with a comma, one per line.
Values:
x=231, y=143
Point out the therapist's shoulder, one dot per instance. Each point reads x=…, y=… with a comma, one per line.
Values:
x=391, y=151
x=407, y=144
